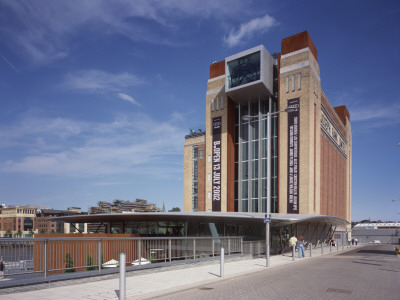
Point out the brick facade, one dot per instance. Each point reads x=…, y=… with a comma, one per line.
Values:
x=324, y=156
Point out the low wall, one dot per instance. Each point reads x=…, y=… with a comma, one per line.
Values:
x=83, y=252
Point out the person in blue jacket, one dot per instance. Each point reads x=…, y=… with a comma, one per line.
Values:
x=300, y=246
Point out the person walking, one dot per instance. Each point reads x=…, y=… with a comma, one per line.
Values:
x=2, y=267
x=292, y=242
x=300, y=245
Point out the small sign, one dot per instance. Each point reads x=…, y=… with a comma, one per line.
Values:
x=267, y=220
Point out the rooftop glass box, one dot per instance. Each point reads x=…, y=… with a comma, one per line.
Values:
x=249, y=74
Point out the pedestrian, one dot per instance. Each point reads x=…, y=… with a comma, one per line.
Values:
x=349, y=241
x=397, y=250
x=356, y=240
x=352, y=241
x=292, y=242
x=2, y=266
x=300, y=245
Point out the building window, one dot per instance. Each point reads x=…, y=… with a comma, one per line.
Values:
x=293, y=83
x=212, y=104
x=222, y=102
x=244, y=70
x=251, y=156
x=28, y=224
x=299, y=83
x=209, y=158
x=195, y=150
x=217, y=102
x=209, y=176
x=287, y=84
x=201, y=154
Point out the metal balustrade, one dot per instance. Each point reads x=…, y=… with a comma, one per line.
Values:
x=72, y=254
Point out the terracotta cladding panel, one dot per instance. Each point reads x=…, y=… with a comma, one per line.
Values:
x=231, y=158
x=324, y=188
x=297, y=42
x=81, y=249
x=343, y=113
x=333, y=115
x=217, y=69
x=333, y=180
x=201, y=189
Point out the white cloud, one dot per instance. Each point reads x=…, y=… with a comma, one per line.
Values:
x=30, y=131
x=375, y=111
x=374, y=114
x=247, y=30
x=128, y=98
x=100, y=81
x=134, y=144
x=43, y=29
x=9, y=63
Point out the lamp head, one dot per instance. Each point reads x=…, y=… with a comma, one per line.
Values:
x=290, y=109
x=247, y=118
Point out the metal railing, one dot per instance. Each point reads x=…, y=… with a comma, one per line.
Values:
x=71, y=254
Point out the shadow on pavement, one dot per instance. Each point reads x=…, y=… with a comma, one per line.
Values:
x=377, y=252
x=365, y=263
x=214, y=274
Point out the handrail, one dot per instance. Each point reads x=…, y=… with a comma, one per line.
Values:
x=50, y=255
x=85, y=238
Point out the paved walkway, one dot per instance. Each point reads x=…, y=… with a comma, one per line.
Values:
x=158, y=282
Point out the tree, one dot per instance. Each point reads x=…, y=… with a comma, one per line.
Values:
x=89, y=263
x=174, y=209
x=31, y=232
x=19, y=233
x=69, y=263
x=8, y=233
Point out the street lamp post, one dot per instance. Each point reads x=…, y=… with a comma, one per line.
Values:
x=267, y=224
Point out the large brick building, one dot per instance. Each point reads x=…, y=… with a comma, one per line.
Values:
x=17, y=221
x=225, y=167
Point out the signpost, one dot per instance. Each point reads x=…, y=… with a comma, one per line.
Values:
x=267, y=220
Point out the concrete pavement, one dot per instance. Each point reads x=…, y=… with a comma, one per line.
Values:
x=370, y=272
x=157, y=282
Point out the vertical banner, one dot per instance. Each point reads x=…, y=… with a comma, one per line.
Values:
x=293, y=156
x=216, y=164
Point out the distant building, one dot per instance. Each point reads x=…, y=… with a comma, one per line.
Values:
x=386, y=233
x=18, y=221
x=115, y=207
x=44, y=225
x=119, y=206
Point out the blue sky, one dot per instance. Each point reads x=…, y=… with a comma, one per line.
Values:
x=96, y=96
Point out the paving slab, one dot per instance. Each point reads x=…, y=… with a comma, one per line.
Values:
x=158, y=282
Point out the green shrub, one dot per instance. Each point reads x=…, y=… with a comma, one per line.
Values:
x=69, y=263
x=89, y=263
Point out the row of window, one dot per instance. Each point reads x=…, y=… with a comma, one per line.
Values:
x=291, y=82
x=217, y=103
x=195, y=151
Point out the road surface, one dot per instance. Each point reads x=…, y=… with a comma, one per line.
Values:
x=371, y=272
